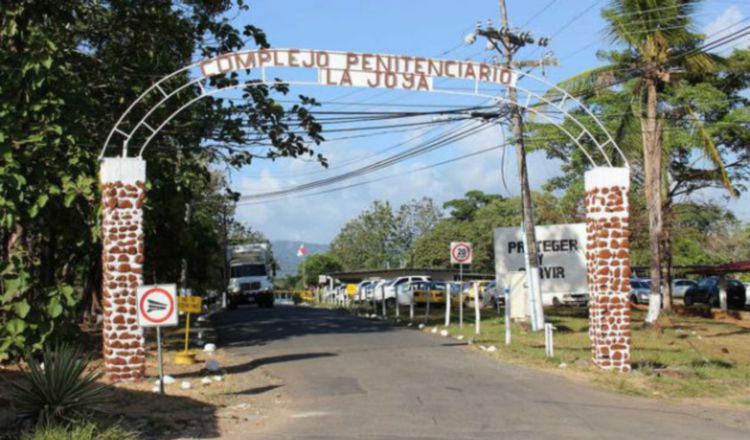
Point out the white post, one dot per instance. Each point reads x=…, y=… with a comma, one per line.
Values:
x=397, y=301
x=447, y=304
x=427, y=308
x=382, y=296
x=506, y=293
x=411, y=304
x=723, y=292
x=477, y=317
x=549, y=346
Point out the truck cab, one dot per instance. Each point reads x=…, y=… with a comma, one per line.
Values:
x=250, y=275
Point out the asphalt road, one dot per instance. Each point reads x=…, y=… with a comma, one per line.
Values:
x=349, y=378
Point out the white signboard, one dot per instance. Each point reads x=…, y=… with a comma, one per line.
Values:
x=357, y=69
x=461, y=252
x=561, y=253
x=157, y=305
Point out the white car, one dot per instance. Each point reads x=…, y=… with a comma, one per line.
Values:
x=374, y=292
x=389, y=289
x=364, y=288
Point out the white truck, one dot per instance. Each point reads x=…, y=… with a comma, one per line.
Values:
x=250, y=275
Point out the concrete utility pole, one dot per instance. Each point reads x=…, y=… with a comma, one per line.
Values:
x=507, y=42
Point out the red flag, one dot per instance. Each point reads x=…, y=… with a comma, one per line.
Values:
x=301, y=251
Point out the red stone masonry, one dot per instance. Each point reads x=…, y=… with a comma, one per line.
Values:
x=122, y=263
x=608, y=264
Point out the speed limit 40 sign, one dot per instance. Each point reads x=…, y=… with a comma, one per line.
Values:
x=461, y=252
x=157, y=306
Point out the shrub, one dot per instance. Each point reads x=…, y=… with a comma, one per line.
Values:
x=61, y=390
x=83, y=431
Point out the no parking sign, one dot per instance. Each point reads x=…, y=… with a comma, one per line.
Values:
x=157, y=306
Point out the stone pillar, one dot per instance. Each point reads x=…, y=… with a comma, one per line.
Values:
x=123, y=192
x=608, y=265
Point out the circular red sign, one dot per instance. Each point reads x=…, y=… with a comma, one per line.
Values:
x=170, y=309
x=465, y=248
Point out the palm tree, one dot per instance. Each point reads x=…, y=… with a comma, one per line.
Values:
x=659, y=45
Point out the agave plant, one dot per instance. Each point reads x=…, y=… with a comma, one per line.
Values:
x=60, y=390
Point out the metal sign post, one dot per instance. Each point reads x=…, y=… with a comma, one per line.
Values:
x=461, y=295
x=447, y=304
x=477, y=317
x=160, y=359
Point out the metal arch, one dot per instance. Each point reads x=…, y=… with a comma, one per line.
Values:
x=529, y=94
x=575, y=139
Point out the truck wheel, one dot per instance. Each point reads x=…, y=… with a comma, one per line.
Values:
x=231, y=304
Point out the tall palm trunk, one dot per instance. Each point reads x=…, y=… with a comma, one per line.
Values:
x=652, y=170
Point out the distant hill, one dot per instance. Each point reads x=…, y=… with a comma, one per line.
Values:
x=285, y=252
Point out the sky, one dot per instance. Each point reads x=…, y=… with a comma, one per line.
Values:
x=429, y=28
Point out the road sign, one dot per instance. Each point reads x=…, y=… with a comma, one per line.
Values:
x=157, y=305
x=190, y=304
x=461, y=252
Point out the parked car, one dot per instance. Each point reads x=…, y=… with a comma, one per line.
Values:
x=570, y=299
x=420, y=291
x=707, y=292
x=680, y=286
x=392, y=285
x=494, y=294
x=639, y=290
x=362, y=289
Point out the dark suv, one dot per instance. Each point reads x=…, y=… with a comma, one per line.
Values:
x=707, y=292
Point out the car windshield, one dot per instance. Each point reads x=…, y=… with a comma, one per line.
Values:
x=248, y=270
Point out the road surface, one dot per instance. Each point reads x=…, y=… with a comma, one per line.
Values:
x=346, y=378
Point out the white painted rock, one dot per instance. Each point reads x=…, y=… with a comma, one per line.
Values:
x=186, y=385
x=209, y=348
x=434, y=329
x=460, y=337
x=483, y=348
x=563, y=365
x=217, y=378
x=421, y=326
x=212, y=365
x=168, y=380
x=491, y=349
x=408, y=325
x=155, y=389
x=444, y=333
x=206, y=380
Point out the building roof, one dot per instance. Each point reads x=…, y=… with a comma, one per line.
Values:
x=435, y=274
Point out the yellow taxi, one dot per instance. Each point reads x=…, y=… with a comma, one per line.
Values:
x=423, y=289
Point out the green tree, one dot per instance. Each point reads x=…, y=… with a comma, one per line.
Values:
x=367, y=242
x=465, y=208
x=660, y=52
x=70, y=68
x=316, y=265
x=413, y=220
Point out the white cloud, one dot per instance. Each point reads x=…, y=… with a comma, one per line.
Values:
x=725, y=25
x=319, y=218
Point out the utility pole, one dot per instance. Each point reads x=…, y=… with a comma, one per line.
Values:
x=507, y=42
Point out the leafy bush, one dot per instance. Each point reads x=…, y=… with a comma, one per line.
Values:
x=61, y=390
x=83, y=431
